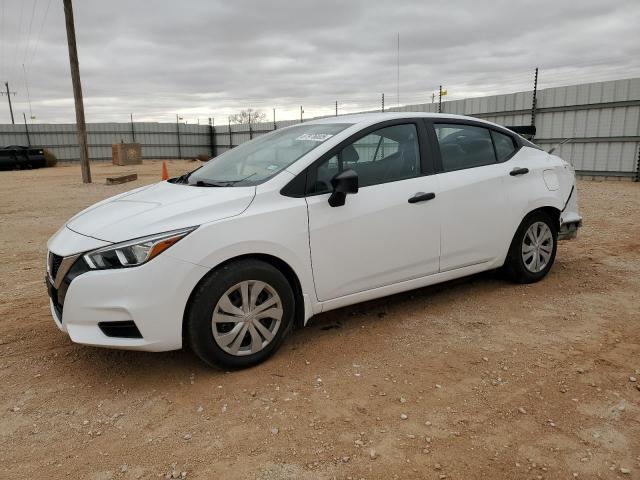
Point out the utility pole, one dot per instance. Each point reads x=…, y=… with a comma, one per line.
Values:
x=336, y=108
x=133, y=131
x=212, y=136
x=383, y=102
x=274, y=119
x=8, y=93
x=26, y=129
x=440, y=100
x=637, y=179
x=178, y=134
x=301, y=112
x=535, y=99
x=77, y=92
x=26, y=84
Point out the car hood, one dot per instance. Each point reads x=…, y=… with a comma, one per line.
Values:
x=158, y=208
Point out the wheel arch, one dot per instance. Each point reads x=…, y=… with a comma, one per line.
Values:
x=512, y=261
x=551, y=211
x=279, y=264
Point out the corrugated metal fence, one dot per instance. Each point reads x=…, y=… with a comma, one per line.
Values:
x=158, y=140
x=603, y=119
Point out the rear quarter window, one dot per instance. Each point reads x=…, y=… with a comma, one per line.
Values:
x=504, y=144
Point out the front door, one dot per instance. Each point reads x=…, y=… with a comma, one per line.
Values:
x=378, y=237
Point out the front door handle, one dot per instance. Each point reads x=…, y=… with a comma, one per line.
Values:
x=422, y=197
x=518, y=171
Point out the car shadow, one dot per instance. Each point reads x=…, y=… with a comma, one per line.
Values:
x=377, y=310
x=179, y=365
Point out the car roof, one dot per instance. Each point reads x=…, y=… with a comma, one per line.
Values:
x=363, y=120
x=375, y=117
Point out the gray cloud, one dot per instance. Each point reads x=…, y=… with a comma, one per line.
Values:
x=210, y=58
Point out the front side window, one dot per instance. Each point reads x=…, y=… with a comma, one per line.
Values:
x=386, y=155
x=464, y=146
x=255, y=161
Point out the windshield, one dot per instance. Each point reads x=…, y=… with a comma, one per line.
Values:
x=255, y=161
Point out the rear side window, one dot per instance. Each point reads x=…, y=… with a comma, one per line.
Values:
x=504, y=145
x=464, y=146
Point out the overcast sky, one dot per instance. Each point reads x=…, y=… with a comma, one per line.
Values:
x=203, y=58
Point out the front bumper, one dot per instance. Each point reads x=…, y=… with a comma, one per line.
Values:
x=152, y=297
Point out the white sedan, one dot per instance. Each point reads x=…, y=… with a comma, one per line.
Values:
x=320, y=215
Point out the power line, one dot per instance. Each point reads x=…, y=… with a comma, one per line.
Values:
x=26, y=48
x=44, y=19
x=2, y=64
x=15, y=50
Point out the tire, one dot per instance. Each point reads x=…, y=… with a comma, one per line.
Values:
x=259, y=303
x=520, y=265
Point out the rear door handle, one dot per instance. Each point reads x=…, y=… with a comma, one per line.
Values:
x=422, y=197
x=518, y=171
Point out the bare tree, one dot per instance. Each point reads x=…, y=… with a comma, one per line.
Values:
x=248, y=115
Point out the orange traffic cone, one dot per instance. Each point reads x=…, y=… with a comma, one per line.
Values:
x=165, y=173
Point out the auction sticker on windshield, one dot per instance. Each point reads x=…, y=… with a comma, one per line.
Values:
x=315, y=137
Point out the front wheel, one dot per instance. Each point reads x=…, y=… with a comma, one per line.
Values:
x=533, y=249
x=240, y=314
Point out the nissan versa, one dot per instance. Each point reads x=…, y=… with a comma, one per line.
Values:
x=309, y=218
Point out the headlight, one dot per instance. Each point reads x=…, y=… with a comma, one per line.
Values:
x=134, y=252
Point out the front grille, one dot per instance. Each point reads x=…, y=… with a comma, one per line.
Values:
x=58, y=290
x=54, y=264
x=53, y=294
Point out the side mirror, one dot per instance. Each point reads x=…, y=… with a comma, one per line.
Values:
x=343, y=183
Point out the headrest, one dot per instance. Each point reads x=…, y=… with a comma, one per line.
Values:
x=478, y=143
x=349, y=154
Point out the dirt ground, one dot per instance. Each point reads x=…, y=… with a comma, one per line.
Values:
x=476, y=378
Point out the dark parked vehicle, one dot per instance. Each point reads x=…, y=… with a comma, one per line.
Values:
x=18, y=157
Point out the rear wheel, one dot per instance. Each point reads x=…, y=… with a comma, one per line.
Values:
x=533, y=249
x=240, y=314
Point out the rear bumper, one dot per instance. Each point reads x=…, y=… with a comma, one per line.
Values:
x=570, y=218
x=569, y=231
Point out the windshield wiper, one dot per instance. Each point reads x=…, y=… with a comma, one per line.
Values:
x=202, y=183
x=221, y=183
x=184, y=178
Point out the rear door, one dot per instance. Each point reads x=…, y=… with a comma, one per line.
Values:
x=378, y=237
x=472, y=194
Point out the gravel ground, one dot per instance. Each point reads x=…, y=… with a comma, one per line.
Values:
x=477, y=378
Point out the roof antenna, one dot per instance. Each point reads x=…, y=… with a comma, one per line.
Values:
x=555, y=147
